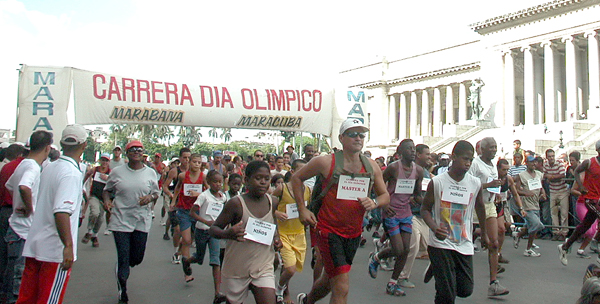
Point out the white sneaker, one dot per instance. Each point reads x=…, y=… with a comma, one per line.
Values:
x=107, y=232
x=531, y=253
x=495, y=289
x=562, y=255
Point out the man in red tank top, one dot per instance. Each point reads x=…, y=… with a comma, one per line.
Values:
x=339, y=221
x=590, y=189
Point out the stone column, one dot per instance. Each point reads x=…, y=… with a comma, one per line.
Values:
x=509, y=88
x=437, y=112
x=549, y=87
x=571, y=76
x=462, y=102
x=425, y=113
x=392, y=118
x=403, y=115
x=594, y=68
x=529, y=88
x=449, y=104
x=413, y=115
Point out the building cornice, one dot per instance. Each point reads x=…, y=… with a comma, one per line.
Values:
x=423, y=76
x=531, y=14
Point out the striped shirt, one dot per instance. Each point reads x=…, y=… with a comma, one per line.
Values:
x=556, y=168
x=515, y=170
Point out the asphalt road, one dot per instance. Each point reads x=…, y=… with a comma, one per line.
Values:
x=157, y=280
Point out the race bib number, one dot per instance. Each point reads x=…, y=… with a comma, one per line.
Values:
x=493, y=190
x=187, y=188
x=425, y=183
x=98, y=178
x=405, y=186
x=214, y=209
x=260, y=231
x=456, y=194
x=534, y=184
x=352, y=188
x=292, y=211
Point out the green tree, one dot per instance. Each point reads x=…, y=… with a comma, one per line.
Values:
x=189, y=136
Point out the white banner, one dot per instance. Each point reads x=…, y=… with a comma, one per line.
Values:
x=43, y=100
x=351, y=104
x=108, y=99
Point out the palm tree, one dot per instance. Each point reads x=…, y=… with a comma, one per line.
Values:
x=213, y=133
x=189, y=135
x=226, y=134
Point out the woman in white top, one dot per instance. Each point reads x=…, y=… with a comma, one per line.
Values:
x=134, y=186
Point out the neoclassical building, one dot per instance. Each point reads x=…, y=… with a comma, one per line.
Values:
x=532, y=74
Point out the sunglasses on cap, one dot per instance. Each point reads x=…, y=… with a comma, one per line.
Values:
x=136, y=150
x=354, y=134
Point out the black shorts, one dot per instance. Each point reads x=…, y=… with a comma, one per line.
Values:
x=337, y=252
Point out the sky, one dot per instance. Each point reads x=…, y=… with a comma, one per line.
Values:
x=259, y=43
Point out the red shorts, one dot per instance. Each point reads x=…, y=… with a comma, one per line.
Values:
x=43, y=282
x=337, y=252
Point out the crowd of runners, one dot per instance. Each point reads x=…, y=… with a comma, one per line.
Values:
x=252, y=215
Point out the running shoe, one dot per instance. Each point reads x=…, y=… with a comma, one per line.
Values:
x=591, y=271
x=502, y=260
x=534, y=246
x=86, y=238
x=387, y=264
x=406, y=283
x=176, y=258
x=373, y=265
x=495, y=289
x=394, y=289
x=301, y=298
x=107, y=232
x=220, y=298
x=95, y=242
x=428, y=274
x=376, y=234
x=531, y=253
x=562, y=255
x=500, y=269
x=166, y=237
x=516, y=239
x=363, y=241
x=581, y=254
x=378, y=244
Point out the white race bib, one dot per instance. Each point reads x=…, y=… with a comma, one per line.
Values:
x=456, y=194
x=405, y=186
x=493, y=190
x=534, y=184
x=214, y=209
x=191, y=187
x=292, y=211
x=352, y=188
x=98, y=178
x=425, y=183
x=260, y=231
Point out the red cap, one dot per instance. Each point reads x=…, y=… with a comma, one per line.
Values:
x=158, y=155
x=134, y=143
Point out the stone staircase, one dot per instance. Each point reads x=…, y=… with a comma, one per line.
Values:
x=585, y=140
x=464, y=135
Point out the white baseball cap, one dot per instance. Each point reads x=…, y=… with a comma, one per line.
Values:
x=74, y=135
x=352, y=123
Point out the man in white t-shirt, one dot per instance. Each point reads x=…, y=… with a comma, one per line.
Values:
x=485, y=170
x=51, y=245
x=448, y=211
x=24, y=185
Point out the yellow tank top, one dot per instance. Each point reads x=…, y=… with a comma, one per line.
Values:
x=291, y=226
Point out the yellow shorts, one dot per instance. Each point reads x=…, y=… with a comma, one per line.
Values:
x=293, y=250
x=490, y=211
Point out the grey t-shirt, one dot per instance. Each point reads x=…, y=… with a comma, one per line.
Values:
x=113, y=163
x=128, y=186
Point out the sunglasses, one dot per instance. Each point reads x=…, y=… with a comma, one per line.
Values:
x=354, y=134
x=259, y=155
x=136, y=150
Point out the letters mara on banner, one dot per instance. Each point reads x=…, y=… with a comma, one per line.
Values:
x=43, y=99
x=106, y=99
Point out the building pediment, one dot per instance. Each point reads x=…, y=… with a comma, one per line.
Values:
x=531, y=14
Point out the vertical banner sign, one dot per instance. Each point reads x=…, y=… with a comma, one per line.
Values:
x=42, y=100
x=356, y=99
x=349, y=104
